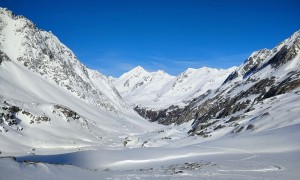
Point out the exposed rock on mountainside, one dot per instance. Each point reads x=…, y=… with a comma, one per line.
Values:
x=3, y=57
x=250, y=64
x=266, y=77
x=265, y=74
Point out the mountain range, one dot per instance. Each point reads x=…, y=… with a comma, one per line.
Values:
x=51, y=103
x=159, y=90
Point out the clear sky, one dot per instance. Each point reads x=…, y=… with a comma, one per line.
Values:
x=113, y=36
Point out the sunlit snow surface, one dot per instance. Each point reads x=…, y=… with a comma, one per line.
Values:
x=273, y=155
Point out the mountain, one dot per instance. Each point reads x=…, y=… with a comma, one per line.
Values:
x=265, y=75
x=44, y=54
x=261, y=94
x=264, y=88
x=49, y=99
x=140, y=86
x=159, y=90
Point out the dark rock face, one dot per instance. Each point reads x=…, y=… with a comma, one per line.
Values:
x=254, y=61
x=285, y=54
x=161, y=116
x=3, y=57
x=250, y=127
x=8, y=118
x=289, y=84
x=250, y=65
x=231, y=77
x=67, y=113
x=171, y=114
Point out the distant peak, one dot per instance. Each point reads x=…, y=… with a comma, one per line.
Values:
x=138, y=69
x=134, y=72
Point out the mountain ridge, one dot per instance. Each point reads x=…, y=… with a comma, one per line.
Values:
x=35, y=48
x=259, y=77
x=163, y=90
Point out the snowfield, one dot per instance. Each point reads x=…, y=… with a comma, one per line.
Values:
x=273, y=154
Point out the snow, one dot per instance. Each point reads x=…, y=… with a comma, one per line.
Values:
x=159, y=90
x=38, y=96
x=272, y=154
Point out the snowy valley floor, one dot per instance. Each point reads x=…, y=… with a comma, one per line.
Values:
x=273, y=154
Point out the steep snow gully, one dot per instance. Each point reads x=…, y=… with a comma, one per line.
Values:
x=62, y=120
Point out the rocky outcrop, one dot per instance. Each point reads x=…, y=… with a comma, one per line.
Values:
x=8, y=117
x=3, y=57
x=250, y=65
x=289, y=84
x=285, y=54
x=265, y=74
x=239, y=96
x=163, y=116
x=66, y=112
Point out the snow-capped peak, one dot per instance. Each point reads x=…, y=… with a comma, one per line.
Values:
x=138, y=77
x=264, y=57
x=137, y=71
x=160, y=90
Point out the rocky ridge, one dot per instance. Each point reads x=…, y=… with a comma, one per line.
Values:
x=263, y=76
x=43, y=53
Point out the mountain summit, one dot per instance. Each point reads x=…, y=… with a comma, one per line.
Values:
x=159, y=90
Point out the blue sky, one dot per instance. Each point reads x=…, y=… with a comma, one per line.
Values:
x=113, y=36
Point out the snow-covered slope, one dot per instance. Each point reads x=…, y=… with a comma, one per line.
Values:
x=267, y=83
x=48, y=99
x=44, y=54
x=159, y=90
